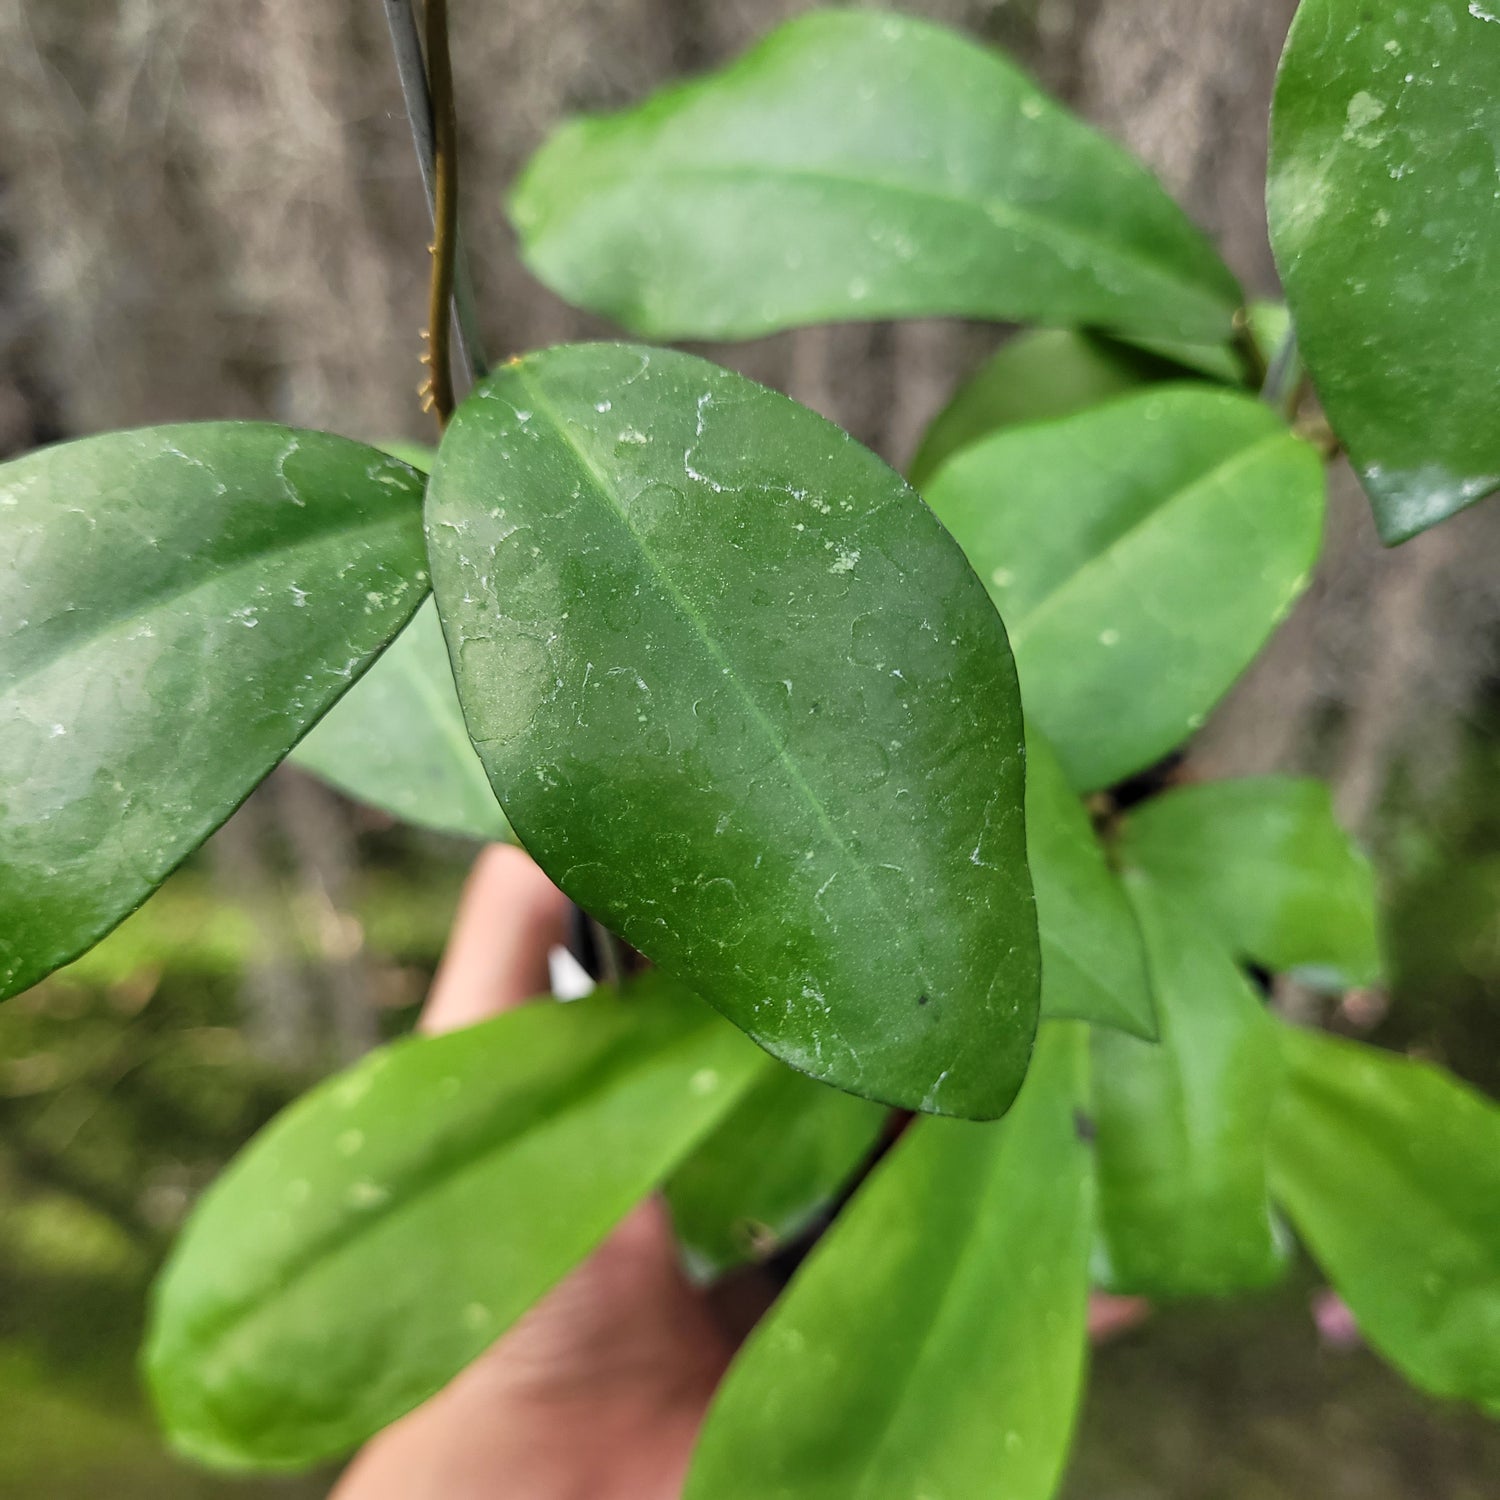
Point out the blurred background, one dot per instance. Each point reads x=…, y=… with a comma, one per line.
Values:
x=209, y=208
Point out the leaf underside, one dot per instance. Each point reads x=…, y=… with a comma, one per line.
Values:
x=858, y=166
x=390, y=1225
x=933, y=1343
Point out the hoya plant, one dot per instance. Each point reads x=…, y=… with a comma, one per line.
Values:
x=867, y=775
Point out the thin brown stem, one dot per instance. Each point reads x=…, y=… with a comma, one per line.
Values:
x=411, y=70
x=444, y=211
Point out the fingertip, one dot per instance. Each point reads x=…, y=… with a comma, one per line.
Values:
x=509, y=917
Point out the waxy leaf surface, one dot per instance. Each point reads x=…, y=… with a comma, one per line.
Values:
x=1181, y=1124
x=1093, y=968
x=858, y=165
x=177, y=606
x=772, y=1167
x=1264, y=861
x=388, y=1227
x=1389, y=1169
x=933, y=1343
x=397, y=741
x=743, y=699
x=1386, y=224
x=1140, y=553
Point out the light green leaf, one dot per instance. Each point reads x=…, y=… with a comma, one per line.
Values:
x=1093, y=968
x=1181, y=1124
x=933, y=1343
x=1390, y=1170
x=385, y=1229
x=1265, y=862
x=858, y=165
x=398, y=742
x=1034, y=377
x=177, y=606
x=742, y=698
x=1140, y=553
x=1387, y=232
x=770, y=1169
x=421, y=456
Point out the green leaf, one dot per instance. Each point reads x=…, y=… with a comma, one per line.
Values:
x=180, y=605
x=770, y=1169
x=1265, y=862
x=397, y=741
x=1140, y=553
x=861, y=166
x=1390, y=1170
x=1181, y=1125
x=933, y=1343
x=387, y=1228
x=1387, y=232
x=1093, y=968
x=1034, y=377
x=743, y=699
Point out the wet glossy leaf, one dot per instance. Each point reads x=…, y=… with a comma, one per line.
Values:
x=771, y=1168
x=1264, y=860
x=1181, y=1124
x=1390, y=1171
x=1034, y=377
x=397, y=741
x=385, y=1229
x=857, y=165
x=742, y=698
x=177, y=606
x=1140, y=553
x=933, y=1343
x=1093, y=968
x=1387, y=232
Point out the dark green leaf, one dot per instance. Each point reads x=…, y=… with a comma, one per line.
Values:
x=774, y=1164
x=1387, y=231
x=855, y=166
x=1141, y=553
x=181, y=603
x=385, y=1229
x=398, y=742
x=1265, y=862
x=1034, y=377
x=1390, y=1170
x=742, y=698
x=933, y=1344
x=1181, y=1124
x=1092, y=965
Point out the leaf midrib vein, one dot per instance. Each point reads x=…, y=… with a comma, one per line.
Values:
x=1000, y=211
x=583, y=1090
x=1221, y=473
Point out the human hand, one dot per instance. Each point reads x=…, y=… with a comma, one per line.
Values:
x=599, y=1391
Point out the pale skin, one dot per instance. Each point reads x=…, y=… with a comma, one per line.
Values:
x=599, y=1391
